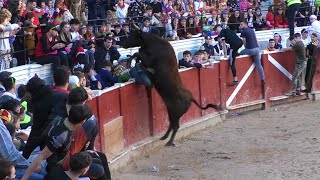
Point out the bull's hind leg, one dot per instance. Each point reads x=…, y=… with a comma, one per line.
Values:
x=175, y=127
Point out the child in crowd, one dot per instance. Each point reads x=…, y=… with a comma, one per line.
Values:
x=6, y=30
x=93, y=80
x=25, y=97
x=186, y=60
x=301, y=63
x=102, y=30
x=107, y=80
x=30, y=39
x=198, y=56
x=117, y=32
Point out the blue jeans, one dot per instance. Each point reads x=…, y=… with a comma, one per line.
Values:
x=256, y=59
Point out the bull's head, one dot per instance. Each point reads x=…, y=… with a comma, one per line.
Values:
x=134, y=39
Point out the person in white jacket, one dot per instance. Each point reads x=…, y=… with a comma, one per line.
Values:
x=121, y=11
x=6, y=32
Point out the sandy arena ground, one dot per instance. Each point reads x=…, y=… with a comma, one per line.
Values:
x=280, y=143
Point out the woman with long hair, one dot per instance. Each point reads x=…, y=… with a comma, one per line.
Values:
x=214, y=19
x=64, y=33
x=190, y=8
x=280, y=19
x=270, y=18
x=180, y=7
x=258, y=20
x=234, y=21
x=172, y=31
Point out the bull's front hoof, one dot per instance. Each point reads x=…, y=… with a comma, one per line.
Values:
x=172, y=144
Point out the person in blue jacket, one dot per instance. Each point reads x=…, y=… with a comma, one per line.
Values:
x=105, y=74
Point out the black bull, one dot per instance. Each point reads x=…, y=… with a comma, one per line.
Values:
x=158, y=54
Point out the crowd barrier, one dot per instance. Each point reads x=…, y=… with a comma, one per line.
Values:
x=129, y=114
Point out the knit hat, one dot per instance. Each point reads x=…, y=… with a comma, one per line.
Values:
x=5, y=116
x=74, y=80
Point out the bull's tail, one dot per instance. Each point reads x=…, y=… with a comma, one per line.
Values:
x=207, y=106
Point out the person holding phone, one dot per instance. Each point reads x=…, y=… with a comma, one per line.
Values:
x=46, y=48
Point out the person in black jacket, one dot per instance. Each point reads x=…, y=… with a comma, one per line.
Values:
x=60, y=91
x=230, y=37
x=234, y=21
x=41, y=108
x=105, y=52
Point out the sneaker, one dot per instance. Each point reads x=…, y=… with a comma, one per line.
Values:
x=298, y=93
x=291, y=93
x=234, y=83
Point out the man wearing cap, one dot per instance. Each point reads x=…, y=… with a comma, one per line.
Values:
x=207, y=45
x=3, y=76
x=305, y=37
x=230, y=37
x=218, y=48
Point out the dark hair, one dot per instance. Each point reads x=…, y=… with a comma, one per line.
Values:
x=149, y=7
x=87, y=68
x=198, y=53
x=75, y=21
x=31, y=1
x=61, y=11
x=106, y=63
x=77, y=96
x=297, y=35
x=271, y=40
x=80, y=161
x=8, y=83
x=62, y=25
x=61, y=76
x=79, y=74
x=187, y=52
x=11, y=105
x=78, y=113
x=245, y=22
x=29, y=15
x=107, y=38
x=5, y=169
x=22, y=91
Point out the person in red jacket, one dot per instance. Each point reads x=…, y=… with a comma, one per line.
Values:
x=270, y=18
x=280, y=19
x=47, y=46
